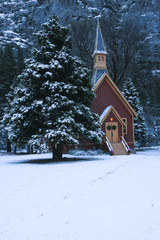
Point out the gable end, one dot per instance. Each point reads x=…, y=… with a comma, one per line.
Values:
x=105, y=77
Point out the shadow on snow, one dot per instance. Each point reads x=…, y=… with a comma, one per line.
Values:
x=51, y=161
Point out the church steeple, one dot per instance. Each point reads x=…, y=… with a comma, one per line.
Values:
x=99, y=43
x=99, y=55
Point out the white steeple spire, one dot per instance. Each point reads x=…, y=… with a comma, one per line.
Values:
x=99, y=56
x=99, y=43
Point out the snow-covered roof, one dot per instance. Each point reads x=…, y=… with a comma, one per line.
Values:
x=106, y=110
x=99, y=52
x=97, y=74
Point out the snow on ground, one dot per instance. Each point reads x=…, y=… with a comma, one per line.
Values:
x=102, y=198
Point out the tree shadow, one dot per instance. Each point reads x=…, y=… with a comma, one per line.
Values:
x=51, y=161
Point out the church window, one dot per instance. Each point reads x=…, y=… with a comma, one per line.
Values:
x=103, y=58
x=99, y=58
x=125, y=127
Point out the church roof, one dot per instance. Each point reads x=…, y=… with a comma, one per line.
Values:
x=99, y=43
x=104, y=113
x=97, y=74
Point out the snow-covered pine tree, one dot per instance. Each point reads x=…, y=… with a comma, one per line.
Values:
x=131, y=94
x=20, y=61
x=51, y=98
x=8, y=71
x=156, y=132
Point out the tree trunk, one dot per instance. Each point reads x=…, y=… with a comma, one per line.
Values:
x=31, y=149
x=57, y=151
x=8, y=146
x=28, y=149
x=15, y=149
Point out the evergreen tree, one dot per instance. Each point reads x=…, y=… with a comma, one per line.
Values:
x=1, y=81
x=2, y=131
x=8, y=71
x=52, y=96
x=131, y=94
x=20, y=61
x=156, y=131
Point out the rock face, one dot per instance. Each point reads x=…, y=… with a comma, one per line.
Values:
x=20, y=18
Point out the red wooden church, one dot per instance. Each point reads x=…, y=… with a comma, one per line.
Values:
x=116, y=114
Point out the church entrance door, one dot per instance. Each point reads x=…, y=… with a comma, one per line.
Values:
x=112, y=131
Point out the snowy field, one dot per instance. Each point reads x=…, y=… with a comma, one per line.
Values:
x=104, y=198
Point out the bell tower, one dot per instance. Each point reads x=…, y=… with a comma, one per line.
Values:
x=99, y=55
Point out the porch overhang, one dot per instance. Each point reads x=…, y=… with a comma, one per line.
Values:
x=107, y=111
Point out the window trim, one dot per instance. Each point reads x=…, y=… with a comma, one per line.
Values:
x=125, y=132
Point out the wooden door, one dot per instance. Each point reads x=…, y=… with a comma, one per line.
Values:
x=112, y=131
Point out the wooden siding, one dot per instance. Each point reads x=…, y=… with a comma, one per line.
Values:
x=106, y=96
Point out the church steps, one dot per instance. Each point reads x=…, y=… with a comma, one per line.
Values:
x=119, y=149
